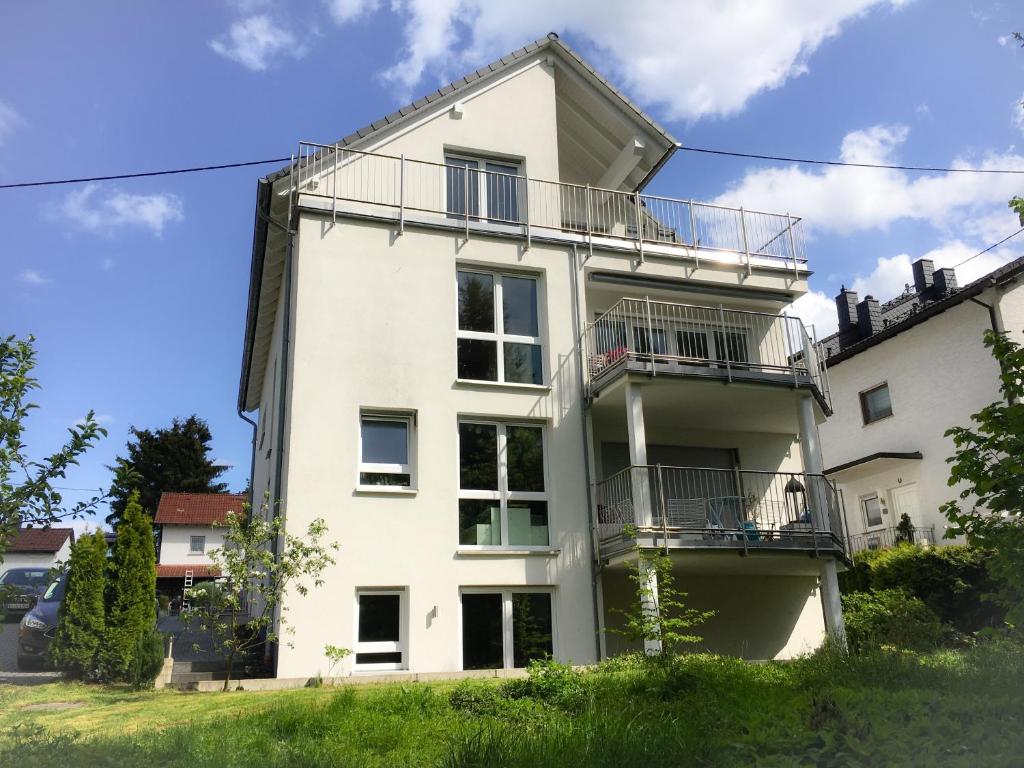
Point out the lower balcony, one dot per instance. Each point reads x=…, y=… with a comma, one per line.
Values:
x=715, y=509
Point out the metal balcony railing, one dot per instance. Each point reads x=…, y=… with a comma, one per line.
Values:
x=699, y=507
x=679, y=338
x=886, y=538
x=536, y=207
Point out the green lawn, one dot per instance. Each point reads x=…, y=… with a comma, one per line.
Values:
x=948, y=708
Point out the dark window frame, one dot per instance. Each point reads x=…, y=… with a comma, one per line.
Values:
x=864, y=411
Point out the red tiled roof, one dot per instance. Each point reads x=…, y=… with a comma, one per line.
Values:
x=40, y=539
x=197, y=508
x=178, y=571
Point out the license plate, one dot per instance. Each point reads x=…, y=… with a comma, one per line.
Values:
x=18, y=606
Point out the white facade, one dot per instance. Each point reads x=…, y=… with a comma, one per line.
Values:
x=36, y=559
x=938, y=374
x=189, y=544
x=371, y=327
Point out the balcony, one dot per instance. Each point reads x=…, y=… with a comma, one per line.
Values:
x=887, y=538
x=663, y=339
x=723, y=509
x=347, y=181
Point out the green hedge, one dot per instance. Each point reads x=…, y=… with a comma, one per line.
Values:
x=952, y=581
x=894, y=618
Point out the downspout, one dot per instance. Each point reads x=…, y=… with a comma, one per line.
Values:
x=997, y=325
x=588, y=471
x=252, y=460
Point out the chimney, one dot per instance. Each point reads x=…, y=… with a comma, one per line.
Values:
x=846, y=308
x=923, y=274
x=869, y=317
x=944, y=282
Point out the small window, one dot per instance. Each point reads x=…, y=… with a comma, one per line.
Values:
x=872, y=511
x=875, y=403
x=505, y=629
x=385, y=450
x=197, y=545
x=380, y=629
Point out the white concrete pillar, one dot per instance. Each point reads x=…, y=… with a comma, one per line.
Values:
x=640, y=480
x=650, y=602
x=831, y=603
x=810, y=452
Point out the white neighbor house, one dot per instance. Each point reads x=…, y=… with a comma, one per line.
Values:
x=38, y=548
x=190, y=525
x=901, y=374
x=478, y=351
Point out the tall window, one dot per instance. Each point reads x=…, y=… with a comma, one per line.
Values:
x=872, y=511
x=875, y=403
x=502, y=492
x=380, y=629
x=505, y=629
x=499, y=329
x=196, y=545
x=385, y=449
x=483, y=186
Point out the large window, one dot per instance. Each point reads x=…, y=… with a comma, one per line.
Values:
x=380, y=629
x=483, y=187
x=385, y=450
x=875, y=403
x=505, y=629
x=502, y=490
x=498, y=328
x=872, y=506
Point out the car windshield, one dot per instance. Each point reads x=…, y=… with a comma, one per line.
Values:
x=55, y=592
x=24, y=577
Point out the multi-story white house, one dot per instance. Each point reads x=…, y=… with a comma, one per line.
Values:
x=901, y=374
x=189, y=526
x=495, y=366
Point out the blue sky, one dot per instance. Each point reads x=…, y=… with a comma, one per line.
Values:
x=136, y=290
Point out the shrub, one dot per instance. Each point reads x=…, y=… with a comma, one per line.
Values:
x=80, y=622
x=550, y=683
x=147, y=660
x=475, y=698
x=891, y=617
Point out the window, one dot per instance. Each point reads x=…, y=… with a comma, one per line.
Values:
x=482, y=185
x=196, y=545
x=498, y=328
x=380, y=629
x=502, y=491
x=872, y=511
x=385, y=452
x=875, y=403
x=505, y=629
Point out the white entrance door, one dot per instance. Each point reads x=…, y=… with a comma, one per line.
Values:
x=903, y=500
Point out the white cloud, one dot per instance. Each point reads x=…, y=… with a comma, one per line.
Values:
x=107, y=264
x=847, y=200
x=697, y=59
x=102, y=419
x=32, y=277
x=1003, y=40
x=257, y=41
x=84, y=526
x=1018, y=113
x=118, y=209
x=9, y=121
x=223, y=463
x=817, y=309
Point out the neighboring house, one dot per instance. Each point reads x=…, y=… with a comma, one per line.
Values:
x=38, y=548
x=190, y=525
x=482, y=354
x=901, y=374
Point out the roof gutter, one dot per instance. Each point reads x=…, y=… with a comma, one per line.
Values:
x=264, y=189
x=657, y=166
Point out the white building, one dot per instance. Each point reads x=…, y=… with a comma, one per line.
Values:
x=901, y=374
x=189, y=526
x=480, y=351
x=38, y=548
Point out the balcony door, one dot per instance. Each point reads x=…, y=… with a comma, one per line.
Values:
x=486, y=189
x=693, y=343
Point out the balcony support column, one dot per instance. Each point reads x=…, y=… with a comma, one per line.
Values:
x=831, y=603
x=640, y=479
x=810, y=452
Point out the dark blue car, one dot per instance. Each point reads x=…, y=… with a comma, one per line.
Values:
x=20, y=587
x=35, y=633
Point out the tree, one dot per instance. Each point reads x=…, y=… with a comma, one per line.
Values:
x=26, y=493
x=175, y=458
x=81, y=621
x=131, y=592
x=989, y=460
x=249, y=567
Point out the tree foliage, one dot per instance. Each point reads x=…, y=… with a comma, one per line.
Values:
x=174, y=458
x=989, y=462
x=131, y=592
x=81, y=622
x=27, y=495
x=253, y=573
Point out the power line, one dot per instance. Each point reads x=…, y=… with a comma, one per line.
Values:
x=776, y=158
x=142, y=174
x=67, y=488
x=994, y=245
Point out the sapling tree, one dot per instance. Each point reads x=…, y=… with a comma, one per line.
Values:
x=251, y=570
x=989, y=461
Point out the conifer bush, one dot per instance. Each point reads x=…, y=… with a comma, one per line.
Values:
x=81, y=621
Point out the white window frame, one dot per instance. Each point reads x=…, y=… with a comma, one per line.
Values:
x=499, y=335
x=868, y=525
x=191, y=541
x=409, y=419
x=481, y=181
x=507, y=629
x=401, y=646
x=503, y=495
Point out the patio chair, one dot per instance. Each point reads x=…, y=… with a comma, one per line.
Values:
x=687, y=513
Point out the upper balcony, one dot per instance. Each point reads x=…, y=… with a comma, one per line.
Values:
x=660, y=338
x=486, y=200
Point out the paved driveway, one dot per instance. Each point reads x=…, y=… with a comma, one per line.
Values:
x=9, y=660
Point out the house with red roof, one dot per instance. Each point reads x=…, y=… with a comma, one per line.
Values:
x=190, y=525
x=38, y=548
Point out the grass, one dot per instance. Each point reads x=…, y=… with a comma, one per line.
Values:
x=955, y=708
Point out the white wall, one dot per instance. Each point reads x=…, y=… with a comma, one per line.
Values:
x=36, y=559
x=175, y=541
